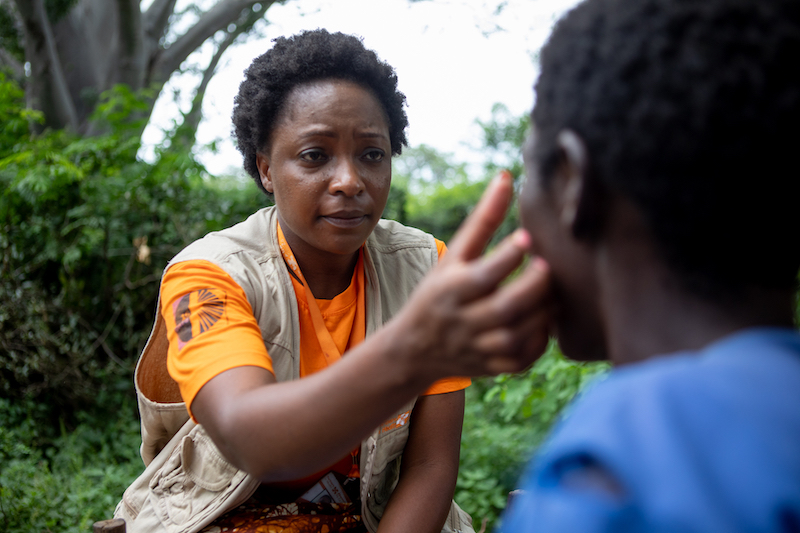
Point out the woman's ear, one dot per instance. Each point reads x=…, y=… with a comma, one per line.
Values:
x=582, y=196
x=262, y=162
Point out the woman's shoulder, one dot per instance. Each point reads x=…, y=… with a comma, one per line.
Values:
x=390, y=233
x=252, y=237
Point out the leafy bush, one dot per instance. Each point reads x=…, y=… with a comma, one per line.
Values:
x=87, y=229
x=506, y=418
x=66, y=483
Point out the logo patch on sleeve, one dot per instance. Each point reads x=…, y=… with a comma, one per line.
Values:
x=196, y=312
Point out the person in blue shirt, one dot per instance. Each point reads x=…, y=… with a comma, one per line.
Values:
x=662, y=192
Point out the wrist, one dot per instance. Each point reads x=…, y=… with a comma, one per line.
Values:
x=403, y=356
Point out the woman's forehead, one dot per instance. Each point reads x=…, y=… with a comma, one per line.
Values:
x=331, y=98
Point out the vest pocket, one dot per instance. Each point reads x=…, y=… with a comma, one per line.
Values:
x=194, y=483
x=458, y=521
x=383, y=480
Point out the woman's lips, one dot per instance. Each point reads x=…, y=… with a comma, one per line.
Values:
x=345, y=220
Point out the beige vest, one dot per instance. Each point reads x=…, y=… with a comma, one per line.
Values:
x=187, y=483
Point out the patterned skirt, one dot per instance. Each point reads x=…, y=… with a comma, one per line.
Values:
x=256, y=516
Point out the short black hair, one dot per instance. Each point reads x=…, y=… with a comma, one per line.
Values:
x=690, y=109
x=301, y=59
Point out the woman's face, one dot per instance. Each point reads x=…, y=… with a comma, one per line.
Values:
x=329, y=167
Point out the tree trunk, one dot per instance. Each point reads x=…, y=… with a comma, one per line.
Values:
x=101, y=43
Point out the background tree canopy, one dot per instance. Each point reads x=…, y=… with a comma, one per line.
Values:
x=67, y=53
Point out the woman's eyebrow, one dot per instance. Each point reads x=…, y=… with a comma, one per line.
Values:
x=322, y=132
x=371, y=134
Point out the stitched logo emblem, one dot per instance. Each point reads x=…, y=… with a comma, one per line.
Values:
x=196, y=312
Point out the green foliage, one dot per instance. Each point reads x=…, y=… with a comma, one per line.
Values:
x=797, y=305
x=13, y=115
x=502, y=140
x=87, y=229
x=68, y=482
x=57, y=9
x=506, y=418
x=10, y=38
x=538, y=395
x=433, y=193
x=436, y=194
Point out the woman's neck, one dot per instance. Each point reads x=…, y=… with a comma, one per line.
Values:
x=329, y=277
x=326, y=273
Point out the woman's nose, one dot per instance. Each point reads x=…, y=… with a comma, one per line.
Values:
x=346, y=179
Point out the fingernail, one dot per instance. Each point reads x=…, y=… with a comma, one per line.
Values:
x=522, y=238
x=505, y=174
x=540, y=264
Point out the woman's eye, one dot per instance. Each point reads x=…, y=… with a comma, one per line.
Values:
x=313, y=156
x=374, y=155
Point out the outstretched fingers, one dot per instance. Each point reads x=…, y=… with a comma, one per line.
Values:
x=513, y=323
x=465, y=318
x=515, y=346
x=527, y=294
x=482, y=276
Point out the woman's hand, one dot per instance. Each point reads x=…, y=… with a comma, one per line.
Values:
x=461, y=320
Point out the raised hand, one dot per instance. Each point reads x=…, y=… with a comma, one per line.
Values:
x=462, y=319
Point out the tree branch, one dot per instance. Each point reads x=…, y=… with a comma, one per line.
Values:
x=187, y=132
x=156, y=18
x=25, y=9
x=66, y=108
x=132, y=59
x=213, y=20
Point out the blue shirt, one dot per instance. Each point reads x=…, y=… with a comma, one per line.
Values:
x=705, y=441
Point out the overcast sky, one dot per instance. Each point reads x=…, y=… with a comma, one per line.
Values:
x=454, y=59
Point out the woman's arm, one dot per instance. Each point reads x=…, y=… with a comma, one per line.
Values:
x=459, y=322
x=288, y=430
x=421, y=501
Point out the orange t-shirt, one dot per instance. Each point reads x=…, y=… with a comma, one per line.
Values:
x=211, y=327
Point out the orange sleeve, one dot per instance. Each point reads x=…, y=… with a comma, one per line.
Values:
x=448, y=384
x=441, y=247
x=210, y=326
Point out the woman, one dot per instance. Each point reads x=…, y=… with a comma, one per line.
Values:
x=254, y=321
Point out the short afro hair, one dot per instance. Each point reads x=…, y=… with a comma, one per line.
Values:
x=689, y=108
x=301, y=59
